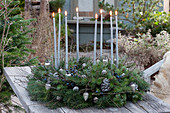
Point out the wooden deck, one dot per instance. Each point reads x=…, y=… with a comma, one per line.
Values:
x=16, y=77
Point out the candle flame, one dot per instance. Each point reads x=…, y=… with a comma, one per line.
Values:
x=59, y=10
x=111, y=13
x=116, y=12
x=65, y=13
x=96, y=16
x=53, y=14
x=101, y=11
x=77, y=9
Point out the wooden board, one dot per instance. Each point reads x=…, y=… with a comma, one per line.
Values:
x=16, y=77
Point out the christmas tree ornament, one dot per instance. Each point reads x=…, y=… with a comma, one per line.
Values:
x=134, y=87
x=114, y=61
x=98, y=61
x=58, y=98
x=84, y=65
x=61, y=70
x=84, y=76
x=47, y=86
x=95, y=99
x=104, y=72
x=85, y=96
x=76, y=88
x=47, y=63
x=56, y=75
x=105, y=61
x=68, y=75
x=105, y=86
x=123, y=75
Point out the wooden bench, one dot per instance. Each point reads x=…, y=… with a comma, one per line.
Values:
x=16, y=77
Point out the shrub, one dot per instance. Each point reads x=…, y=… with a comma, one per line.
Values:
x=146, y=50
x=55, y=4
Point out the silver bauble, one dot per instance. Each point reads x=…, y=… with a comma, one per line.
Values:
x=134, y=87
x=84, y=65
x=98, y=61
x=85, y=96
x=68, y=75
x=47, y=63
x=58, y=98
x=95, y=99
x=47, y=86
x=61, y=70
x=104, y=72
x=84, y=76
x=105, y=61
x=75, y=88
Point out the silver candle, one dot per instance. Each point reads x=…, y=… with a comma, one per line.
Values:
x=95, y=39
x=66, y=36
x=55, y=47
x=117, y=56
x=111, y=36
x=77, y=35
x=59, y=31
x=101, y=33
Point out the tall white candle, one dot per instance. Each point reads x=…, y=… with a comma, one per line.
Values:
x=101, y=33
x=55, y=47
x=77, y=35
x=59, y=31
x=95, y=39
x=111, y=36
x=66, y=36
x=117, y=56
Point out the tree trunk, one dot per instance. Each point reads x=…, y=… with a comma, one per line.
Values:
x=43, y=7
x=27, y=9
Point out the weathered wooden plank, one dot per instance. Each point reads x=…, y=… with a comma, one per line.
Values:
x=156, y=103
x=151, y=70
x=117, y=110
x=146, y=107
x=133, y=108
x=18, y=84
x=17, y=71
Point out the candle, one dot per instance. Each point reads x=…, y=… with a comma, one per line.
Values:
x=111, y=38
x=55, y=47
x=77, y=35
x=95, y=39
x=66, y=36
x=117, y=56
x=101, y=33
x=59, y=31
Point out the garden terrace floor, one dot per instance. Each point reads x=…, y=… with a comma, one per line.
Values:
x=16, y=77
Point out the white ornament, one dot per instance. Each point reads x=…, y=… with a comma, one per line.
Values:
x=85, y=96
x=84, y=65
x=68, y=75
x=98, y=61
x=95, y=99
x=105, y=61
x=123, y=74
x=134, y=87
x=84, y=76
x=75, y=88
x=104, y=72
x=58, y=98
x=47, y=86
x=115, y=61
x=61, y=70
x=47, y=64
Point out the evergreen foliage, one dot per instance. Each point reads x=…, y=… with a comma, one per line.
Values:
x=14, y=39
x=55, y=4
x=68, y=86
